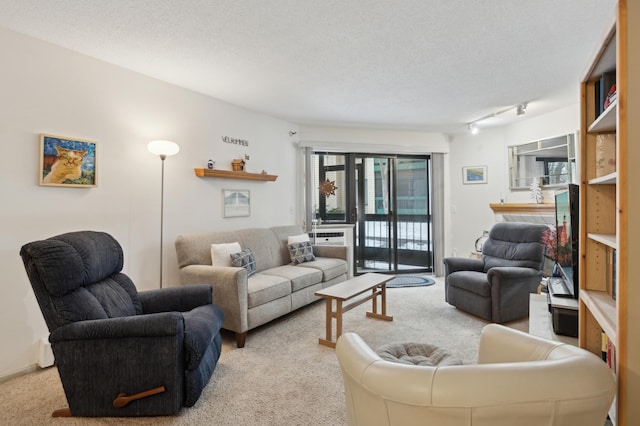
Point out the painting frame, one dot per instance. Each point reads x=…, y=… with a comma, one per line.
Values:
x=473, y=175
x=236, y=203
x=66, y=176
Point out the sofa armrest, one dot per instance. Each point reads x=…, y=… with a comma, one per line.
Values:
x=337, y=252
x=455, y=264
x=230, y=291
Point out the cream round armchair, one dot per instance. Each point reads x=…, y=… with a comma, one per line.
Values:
x=519, y=380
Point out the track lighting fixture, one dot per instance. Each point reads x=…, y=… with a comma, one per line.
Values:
x=520, y=109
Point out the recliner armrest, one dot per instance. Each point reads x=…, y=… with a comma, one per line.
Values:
x=151, y=325
x=181, y=299
x=506, y=273
x=455, y=264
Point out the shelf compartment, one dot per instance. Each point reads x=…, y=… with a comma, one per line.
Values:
x=229, y=174
x=606, y=122
x=603, y=309
x=606, y=239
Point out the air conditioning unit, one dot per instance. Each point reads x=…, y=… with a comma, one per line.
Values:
x=328, y=238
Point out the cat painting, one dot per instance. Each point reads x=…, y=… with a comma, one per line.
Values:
x=66, y=165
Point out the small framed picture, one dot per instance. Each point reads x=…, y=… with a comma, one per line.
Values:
x=474, y=175
x=236, y=202
x=68, y=162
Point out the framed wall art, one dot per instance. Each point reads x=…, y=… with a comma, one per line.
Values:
x=236, y=203
x=474, y=175
x=68, y=162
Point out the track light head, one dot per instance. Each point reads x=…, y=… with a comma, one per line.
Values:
x=520, y=109
x=473, y=128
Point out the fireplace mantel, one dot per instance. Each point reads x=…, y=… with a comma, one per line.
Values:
x=523, y=208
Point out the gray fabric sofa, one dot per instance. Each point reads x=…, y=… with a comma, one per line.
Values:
x=277, y=288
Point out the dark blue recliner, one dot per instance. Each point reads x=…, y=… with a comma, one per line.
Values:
x=120, y=352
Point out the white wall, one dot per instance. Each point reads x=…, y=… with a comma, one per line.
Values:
x=470, y=211
x=47, y=89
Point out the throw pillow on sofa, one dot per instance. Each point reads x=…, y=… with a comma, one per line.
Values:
x=244, y=259
x=220, y=253
x=301, y=252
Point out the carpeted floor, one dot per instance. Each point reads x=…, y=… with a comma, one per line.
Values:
x=282, y=376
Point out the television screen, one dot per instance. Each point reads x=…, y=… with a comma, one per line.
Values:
x=567, y=236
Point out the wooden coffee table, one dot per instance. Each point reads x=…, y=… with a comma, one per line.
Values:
x=348, y=290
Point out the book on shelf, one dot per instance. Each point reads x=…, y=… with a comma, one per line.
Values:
x=602, y=88
x=611, y=272
x=614, y=282
x=611, y=96
x=608, y=351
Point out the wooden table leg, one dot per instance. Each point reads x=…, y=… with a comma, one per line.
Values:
x=383, y=296
x=338, y=319
x=329, y=323
x=380, y=290
x=374, y=300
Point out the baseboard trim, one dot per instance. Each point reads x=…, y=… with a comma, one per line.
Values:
x=26, y=370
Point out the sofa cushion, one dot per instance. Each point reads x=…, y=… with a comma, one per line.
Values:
x=331, y=268
x=301, y=252
x=244, y=259
x=221, y=253
x=264, y=245
x=263, y=288
x=299, y=277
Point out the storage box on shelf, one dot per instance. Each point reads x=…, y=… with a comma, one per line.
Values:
x=610, y=139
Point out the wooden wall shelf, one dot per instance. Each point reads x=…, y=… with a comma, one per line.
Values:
x=523, y=208
x=228, y=174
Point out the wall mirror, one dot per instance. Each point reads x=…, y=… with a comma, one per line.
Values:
x=551, y=161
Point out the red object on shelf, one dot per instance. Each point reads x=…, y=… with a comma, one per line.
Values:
x=610, y=96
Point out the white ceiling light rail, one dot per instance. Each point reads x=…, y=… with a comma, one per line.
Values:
x=520, y=110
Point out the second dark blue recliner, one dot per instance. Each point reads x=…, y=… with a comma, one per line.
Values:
x=120, y=352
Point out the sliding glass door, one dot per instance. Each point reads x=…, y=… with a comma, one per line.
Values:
x=386, y=198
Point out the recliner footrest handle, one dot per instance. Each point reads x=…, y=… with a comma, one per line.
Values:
x=123, y=399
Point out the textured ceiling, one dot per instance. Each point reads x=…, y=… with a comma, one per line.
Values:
x=430, y=65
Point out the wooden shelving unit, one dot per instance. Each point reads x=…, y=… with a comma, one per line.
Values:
x=609, y=212
x=229, y=174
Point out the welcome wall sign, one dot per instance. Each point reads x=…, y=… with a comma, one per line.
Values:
x=235, y=141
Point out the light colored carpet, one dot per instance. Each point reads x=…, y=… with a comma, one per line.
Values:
x=282, y=376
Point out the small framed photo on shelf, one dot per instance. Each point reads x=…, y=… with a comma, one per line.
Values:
x=236, y=203
x=67, y=162
x=474, y=175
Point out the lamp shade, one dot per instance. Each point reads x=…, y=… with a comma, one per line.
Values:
x=163, y=147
